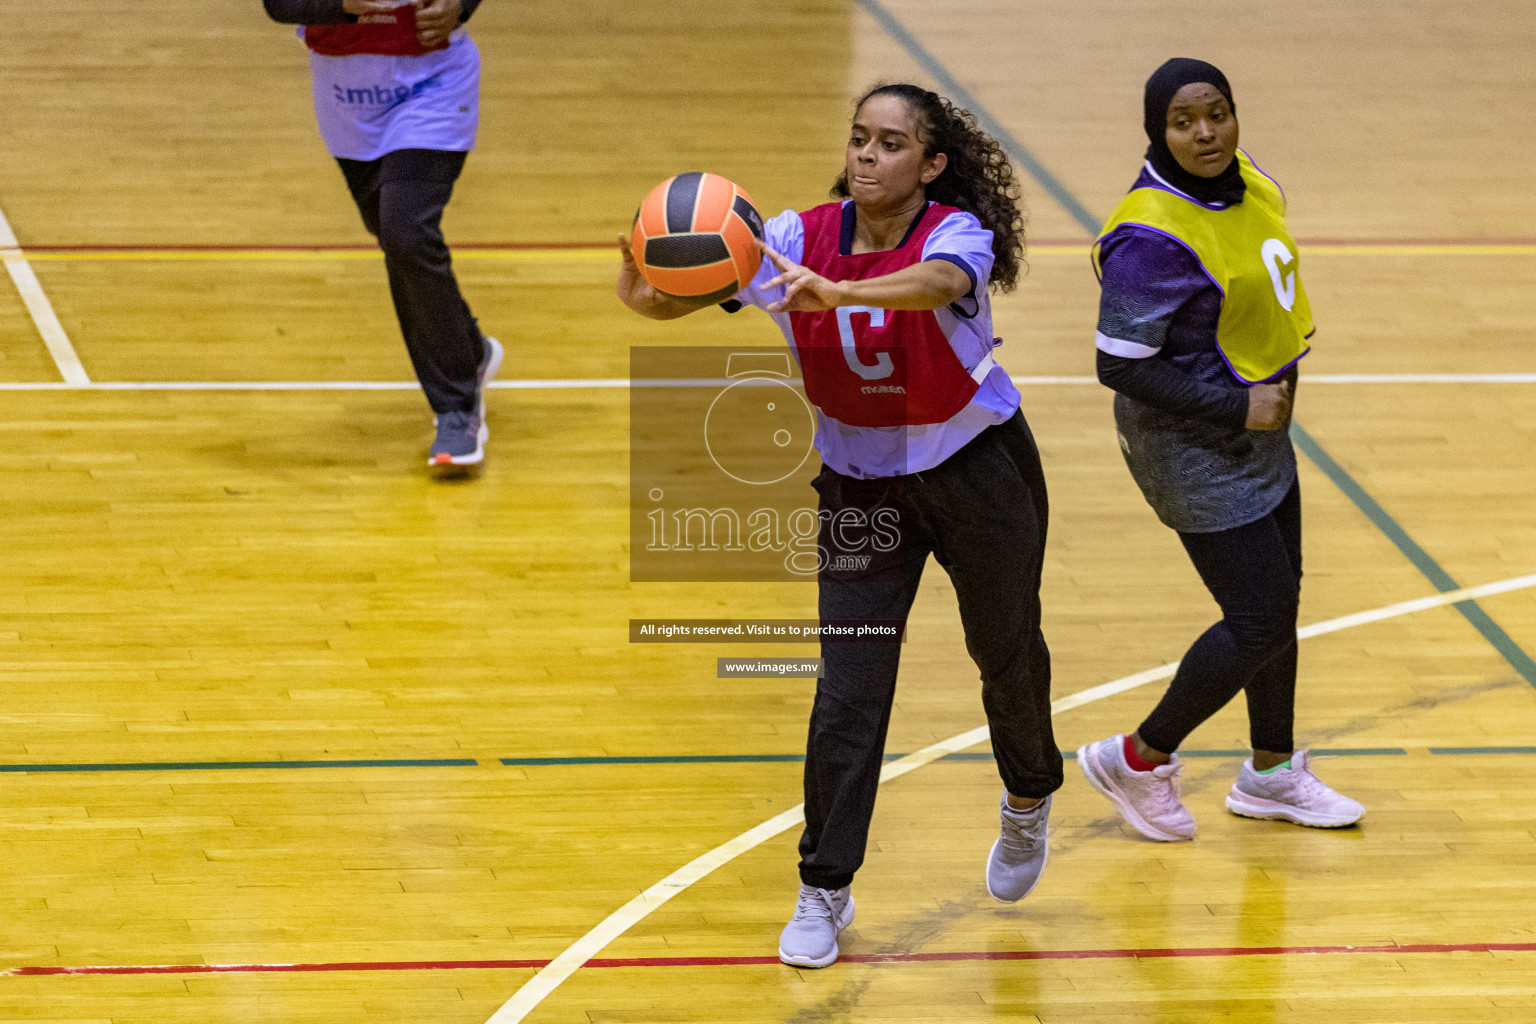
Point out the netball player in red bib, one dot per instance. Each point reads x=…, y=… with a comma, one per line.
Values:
x=883, y=297
x=397, y=97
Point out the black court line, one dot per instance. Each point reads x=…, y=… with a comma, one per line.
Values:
x=1443, y=581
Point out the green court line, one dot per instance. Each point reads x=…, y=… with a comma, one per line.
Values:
x=1319, y=751
x=1482, y=750
x=1443, y=581
x=1359, y=751
x=555, y=762
x=962, y=98
x=1212, y=753
x=658, y=759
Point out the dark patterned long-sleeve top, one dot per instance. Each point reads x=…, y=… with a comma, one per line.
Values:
x=1179, y=409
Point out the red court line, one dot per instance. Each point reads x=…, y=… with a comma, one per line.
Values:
x=372, y=965
x=757, y=961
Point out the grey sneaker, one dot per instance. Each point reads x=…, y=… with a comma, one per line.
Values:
x=1148, y=801
x=1018, y=855
x=810, y=938
x=488, y=367
x=460, y=440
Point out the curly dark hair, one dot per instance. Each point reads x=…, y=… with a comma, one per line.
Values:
x=977, y=178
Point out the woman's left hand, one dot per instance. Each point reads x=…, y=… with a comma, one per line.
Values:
x=436, y=20
x=805, y=291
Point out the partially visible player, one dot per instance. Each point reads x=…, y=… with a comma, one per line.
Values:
x=397, y=95
x=883, y=297
x=1202, y=321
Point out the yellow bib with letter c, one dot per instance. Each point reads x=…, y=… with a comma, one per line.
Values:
x=1246, y=251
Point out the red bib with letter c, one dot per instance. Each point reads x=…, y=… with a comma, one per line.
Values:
x=871, y=367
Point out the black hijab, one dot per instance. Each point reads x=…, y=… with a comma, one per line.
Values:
x=1226, y=189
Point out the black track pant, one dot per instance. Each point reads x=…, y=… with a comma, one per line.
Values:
x=982, y=513
x=1254, y=572
x=401, y=196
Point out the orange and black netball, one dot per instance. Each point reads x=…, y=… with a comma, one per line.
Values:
x=696, y=237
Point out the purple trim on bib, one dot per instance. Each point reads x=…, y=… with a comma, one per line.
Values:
x=1278, y=373
x=1261, y=170
x=1160, y=183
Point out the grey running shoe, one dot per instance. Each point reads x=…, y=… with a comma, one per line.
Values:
x=1148, y=801
x=460, y=440
x=1292, y=794
x=810, y=938
x=488, y=367
x=1018, y=855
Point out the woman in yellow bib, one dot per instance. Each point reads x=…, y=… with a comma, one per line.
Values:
x=1202, y=319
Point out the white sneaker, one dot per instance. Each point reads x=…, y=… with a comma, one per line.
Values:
x=1148, y=801
x=1292, y=794
x=810, y=938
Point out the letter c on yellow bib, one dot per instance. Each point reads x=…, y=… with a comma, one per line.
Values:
x=1276, y=255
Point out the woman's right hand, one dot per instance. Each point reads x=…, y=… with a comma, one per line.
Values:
x=635, y=291
x=1269, y=406
x=638, y=294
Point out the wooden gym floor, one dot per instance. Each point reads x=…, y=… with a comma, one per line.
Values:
x=378, y=744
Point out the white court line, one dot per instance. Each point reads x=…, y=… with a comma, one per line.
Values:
x=632, y=913
x=64, y=357
x=1420, y=378
x=599, y=383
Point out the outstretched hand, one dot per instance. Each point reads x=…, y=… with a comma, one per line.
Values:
x=805, y=291
x=644, y=298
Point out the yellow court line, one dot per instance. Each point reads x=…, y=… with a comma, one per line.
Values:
x=607, y=253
